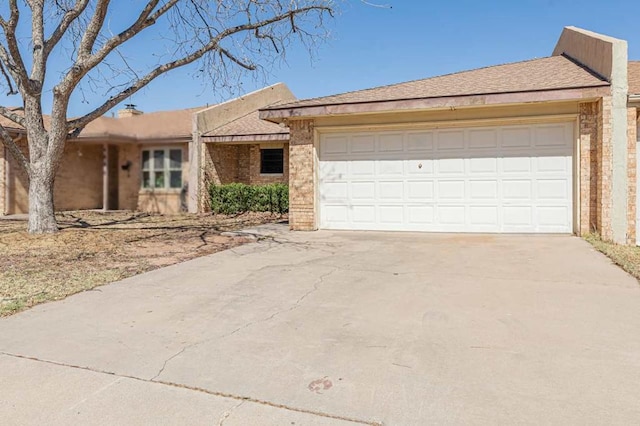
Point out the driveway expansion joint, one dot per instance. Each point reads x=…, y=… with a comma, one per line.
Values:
x=241, y=399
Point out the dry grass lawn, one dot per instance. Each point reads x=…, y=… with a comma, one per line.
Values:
x=627, y=257
x=96, y=248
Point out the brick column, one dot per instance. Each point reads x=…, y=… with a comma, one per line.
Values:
x=632, y=139
x=604, y=155
x=302, y=195
x=588, y=167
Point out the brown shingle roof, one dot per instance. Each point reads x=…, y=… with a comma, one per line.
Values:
x=248, y=125
x=552, y=73
x=634, y=77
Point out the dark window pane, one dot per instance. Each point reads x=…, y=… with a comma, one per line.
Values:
x=272, y=161
x=159, y=180
x=158, y=160
x=175, y=159
x=146, y=180
x=176, y=179
x=145, y=160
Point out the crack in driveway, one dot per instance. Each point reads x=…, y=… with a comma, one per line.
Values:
x=219, y=394
x=295, y=306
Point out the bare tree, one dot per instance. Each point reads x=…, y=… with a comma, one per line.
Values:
x=98, y=41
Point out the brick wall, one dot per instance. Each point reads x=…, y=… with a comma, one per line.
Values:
x=301, y=176
x=18, y=200
x=604, y=155
x=78, y=184
x=632, y=138
x=222, y=164
x=255, y=177
x=3, y=175
x=588, y=167
x=128, y=180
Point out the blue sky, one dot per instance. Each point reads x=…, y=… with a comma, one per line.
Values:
x=373, y=46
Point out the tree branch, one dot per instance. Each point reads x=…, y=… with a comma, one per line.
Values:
x=10, y=115
x=68, y=18
x=76, y=126
x=12, y=58
x=13, y=148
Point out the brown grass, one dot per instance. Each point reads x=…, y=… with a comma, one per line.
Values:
x=96, y=248
x=627, y=257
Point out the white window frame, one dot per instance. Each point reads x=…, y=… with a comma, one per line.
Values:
x=166, y=169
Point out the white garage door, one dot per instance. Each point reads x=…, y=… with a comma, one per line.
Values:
x=484, y=179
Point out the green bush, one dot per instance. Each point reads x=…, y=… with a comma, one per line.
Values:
x=234, y=198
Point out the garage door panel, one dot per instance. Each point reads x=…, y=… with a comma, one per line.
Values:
x=362, y=168
x=419, y=167
x=552, y=189
x=515, y=165
x=517, y=190
x=483, y=165
x=483, y=189
x=553, y=164
x=518, y=216
x=455, y=166
x=391, y=143
x=420, y=191
x=363, y=191
x=390, y=168
x=516, y=137
x=552, y=135
x=420, y=141
x=451, y=215
x=483, y=138
x=390, y=190
x=364, y=214
x=486, y=216
x=452, y=140
x=334, y=145
x=420, y=215
x=336, y=191
x=391, y=214
x=363, y=144
x=499, y=179
x=451, y=190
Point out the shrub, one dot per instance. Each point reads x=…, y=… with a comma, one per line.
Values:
x=234, y=198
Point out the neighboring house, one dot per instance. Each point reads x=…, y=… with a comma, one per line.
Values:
x=142, y=161
x=541, y=146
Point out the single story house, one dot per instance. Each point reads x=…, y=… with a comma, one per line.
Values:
x=139, y=161
x=541, y=146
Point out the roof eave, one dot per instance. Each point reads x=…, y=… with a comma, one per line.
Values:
x=231, y=139
x=278, y=115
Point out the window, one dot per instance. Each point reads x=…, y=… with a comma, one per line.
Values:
x=162, y=168
x=272, y=161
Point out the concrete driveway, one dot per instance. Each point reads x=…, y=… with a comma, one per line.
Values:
x=339, y=328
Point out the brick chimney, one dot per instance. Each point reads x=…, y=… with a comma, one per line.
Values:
x=129, y=111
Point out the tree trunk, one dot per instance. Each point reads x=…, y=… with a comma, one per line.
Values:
x=42, y=217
